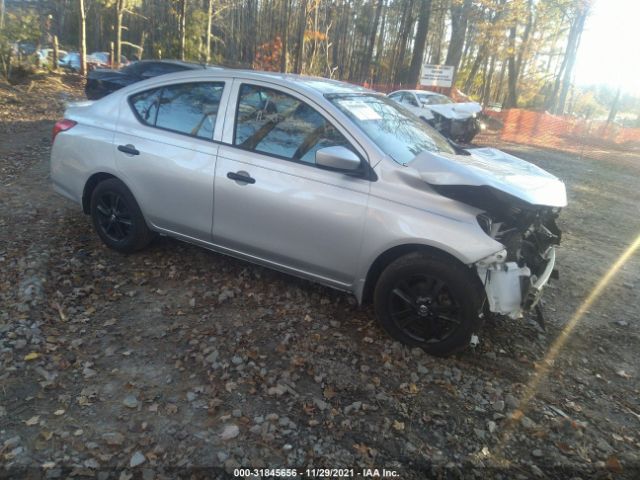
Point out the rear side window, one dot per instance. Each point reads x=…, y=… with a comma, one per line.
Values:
x=272, y=122
x=188, y=108
x=146, y=105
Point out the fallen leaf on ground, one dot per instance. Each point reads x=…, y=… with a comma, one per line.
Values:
x=33, y=420
x=613, y=464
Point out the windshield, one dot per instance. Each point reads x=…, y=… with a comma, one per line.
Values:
x=433, y=99
x=397, y=131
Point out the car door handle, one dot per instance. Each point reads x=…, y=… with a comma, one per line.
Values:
x=128, y=149
x=241, y=176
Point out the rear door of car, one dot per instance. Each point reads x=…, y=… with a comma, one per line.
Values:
x=271, y=201
x=166, y=153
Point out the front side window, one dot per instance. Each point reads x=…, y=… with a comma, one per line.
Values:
x=189, y=108
x=409, y=99
x=274, y=123
x=397, y=132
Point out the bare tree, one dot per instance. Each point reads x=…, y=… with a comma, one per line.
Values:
x=420, y=42
x=366, y=62
x=208, y=39
x=459, y=20
x=183, y=28
x=285, y=35
x=83, y=38
x=577, y=26
x=120, y=5
x=302, y=25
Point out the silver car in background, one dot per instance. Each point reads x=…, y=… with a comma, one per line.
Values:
x=323, y=180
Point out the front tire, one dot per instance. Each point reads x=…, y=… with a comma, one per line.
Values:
x=428, y=301
x=117, y=218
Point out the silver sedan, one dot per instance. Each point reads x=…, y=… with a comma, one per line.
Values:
x=323, y=180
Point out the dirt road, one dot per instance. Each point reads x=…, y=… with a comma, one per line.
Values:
x=177, y=361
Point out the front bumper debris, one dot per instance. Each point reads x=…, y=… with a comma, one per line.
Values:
x=513, y=290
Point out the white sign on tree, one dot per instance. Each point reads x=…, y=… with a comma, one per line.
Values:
x=436, y=75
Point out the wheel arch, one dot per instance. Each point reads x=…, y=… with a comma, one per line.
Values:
x=392, y=254
x=91, y=183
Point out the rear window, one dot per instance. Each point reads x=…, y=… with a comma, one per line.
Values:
x=187, y=108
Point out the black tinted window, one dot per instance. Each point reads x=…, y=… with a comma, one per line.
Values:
x=275, y=123
x=156, y=69
x=135, y=68
x=146, y=105
x=189, y=108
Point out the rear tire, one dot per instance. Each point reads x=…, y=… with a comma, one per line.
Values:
x=117, y=218
x=428, y=301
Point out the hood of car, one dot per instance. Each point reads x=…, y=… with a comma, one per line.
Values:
x=492, y=168
x=456, y=111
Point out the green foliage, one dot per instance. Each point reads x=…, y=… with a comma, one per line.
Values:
x=19, y=26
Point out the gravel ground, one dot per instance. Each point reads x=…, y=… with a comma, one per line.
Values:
x=178, y=362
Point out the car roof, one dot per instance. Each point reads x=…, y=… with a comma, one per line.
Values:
x=315, y=85
x=192, y=65
x=426, y=92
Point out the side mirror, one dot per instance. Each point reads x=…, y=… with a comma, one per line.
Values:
x=337, y=158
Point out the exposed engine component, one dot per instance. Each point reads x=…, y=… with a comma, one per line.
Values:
x=529, y=234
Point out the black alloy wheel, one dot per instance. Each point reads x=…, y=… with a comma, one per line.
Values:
x=422, y=307
x=114, y=217
x=117, y=218
x=429, y=300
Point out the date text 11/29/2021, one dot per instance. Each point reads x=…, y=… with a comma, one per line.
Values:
x=315, y=473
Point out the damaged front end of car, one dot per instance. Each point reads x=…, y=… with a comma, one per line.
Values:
x=519, y=205
x=515, y=277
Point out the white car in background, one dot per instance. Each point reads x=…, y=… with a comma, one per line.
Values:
x=45, y=56
x=457, y=121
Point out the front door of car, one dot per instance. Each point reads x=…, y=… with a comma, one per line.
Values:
x=166, y=155
x=271, y=200
x=410, y=102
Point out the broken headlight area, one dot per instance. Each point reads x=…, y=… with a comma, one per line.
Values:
x=514, y=277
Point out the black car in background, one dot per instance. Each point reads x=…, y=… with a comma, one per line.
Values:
x=103, y=81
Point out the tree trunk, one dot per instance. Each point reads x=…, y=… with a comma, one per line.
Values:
x=405, y=29
x=436, y=54
x=498, y=95
x=459, y=19
x=475, y=67
x=285, y=35
x=183, y=28
x=302, y=26
x=573, y=43
x=486, y=88
x=614, y=107
x=55, y=53
x=512, y=95
x=83, y=38
x=380, y=46
x=119, y=13
x=207, y=57
x=366, y=63
x=420, y=42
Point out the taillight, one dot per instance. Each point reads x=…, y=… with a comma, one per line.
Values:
x=61, y=126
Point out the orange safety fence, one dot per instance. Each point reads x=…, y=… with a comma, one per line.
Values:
x=529, y=127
